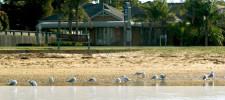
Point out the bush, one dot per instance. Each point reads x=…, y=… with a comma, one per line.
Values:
x=4, y=21
x=67, y=44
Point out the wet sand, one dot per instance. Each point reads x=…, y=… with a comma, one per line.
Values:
x=105, y=67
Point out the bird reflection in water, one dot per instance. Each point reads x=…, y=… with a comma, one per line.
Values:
x=162, y=83
x=205, y=84
x=211, y=83
x=155, y=84
x=13, y=93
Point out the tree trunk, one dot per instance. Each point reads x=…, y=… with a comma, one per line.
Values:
x=70, y=20
x=150, y=31
x=163, y=30
x=181, y=42
x=77, y=20
x=206, y=33
x=154, y=36
x=59, y=22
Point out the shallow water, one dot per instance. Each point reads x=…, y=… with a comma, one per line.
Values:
x=135, y=83
x=112, y=93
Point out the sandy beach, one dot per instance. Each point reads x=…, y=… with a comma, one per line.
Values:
x=105, y=67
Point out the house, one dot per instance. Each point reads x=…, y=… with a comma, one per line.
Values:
x=107, y=26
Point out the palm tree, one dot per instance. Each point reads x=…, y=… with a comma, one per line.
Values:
x=75, y=7
x=58, y=5
x=205, y=15
x=155, y=12
x=78, y=8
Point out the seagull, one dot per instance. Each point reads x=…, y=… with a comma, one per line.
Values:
x=211, y=74
x=205, y=77
x=155, y=77
x=33, y=83
x=13, y=82
x=92, y=80
x=140, y=73
x=126, y=79
x=118, y=80
x=51, y=80
x=72, y=80
x=143, y=74
x=162, y=76
x=137, y=73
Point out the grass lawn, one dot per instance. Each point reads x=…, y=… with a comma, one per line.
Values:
x=198, y=50
x=155, y=49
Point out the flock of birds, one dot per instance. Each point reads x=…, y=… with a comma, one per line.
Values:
x=118, y=80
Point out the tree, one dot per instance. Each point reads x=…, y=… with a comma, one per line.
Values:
x=155, y=13
x=4, y=21
x=58, y=6
x=71, y=10
x=78, y=8
x=25, y=14
x=204, y=14
x=36, y=10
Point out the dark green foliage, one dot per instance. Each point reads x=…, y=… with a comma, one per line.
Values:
x=215, y=36
x=4, y=21
x=67, y=44
x=204, y=28
x=156, y=12
x=25, y=14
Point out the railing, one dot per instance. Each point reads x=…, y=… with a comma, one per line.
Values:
x=74, y=38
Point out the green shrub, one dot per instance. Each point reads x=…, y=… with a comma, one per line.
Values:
x=4, y=21
x=67, y=44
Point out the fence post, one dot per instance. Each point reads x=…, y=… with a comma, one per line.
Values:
x=46, y=36
x=59, y=43
x=37, y=36
x=89, y=43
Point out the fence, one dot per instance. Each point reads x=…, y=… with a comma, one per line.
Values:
x=12, y=38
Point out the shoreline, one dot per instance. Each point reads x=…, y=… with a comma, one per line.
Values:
x=185, y=65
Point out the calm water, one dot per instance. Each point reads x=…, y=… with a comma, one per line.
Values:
x=112, y=93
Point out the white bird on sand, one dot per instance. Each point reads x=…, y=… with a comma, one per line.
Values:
x=205, y=77
x=92, y=79
x=13, y=82
x=126, y=79
x=211, y=74
x=162, y=76
x=143, y=74
x=33, y=83
x=118, y=80
x=155, y=77
x=72, y=80
x=51, y=80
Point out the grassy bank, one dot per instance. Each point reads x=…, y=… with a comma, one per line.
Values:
x=147, y=49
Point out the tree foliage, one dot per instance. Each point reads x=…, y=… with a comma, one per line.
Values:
x=4, y=21
x=205, y=28
x=205, y=16
x=25, y=14
x=156, y=12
